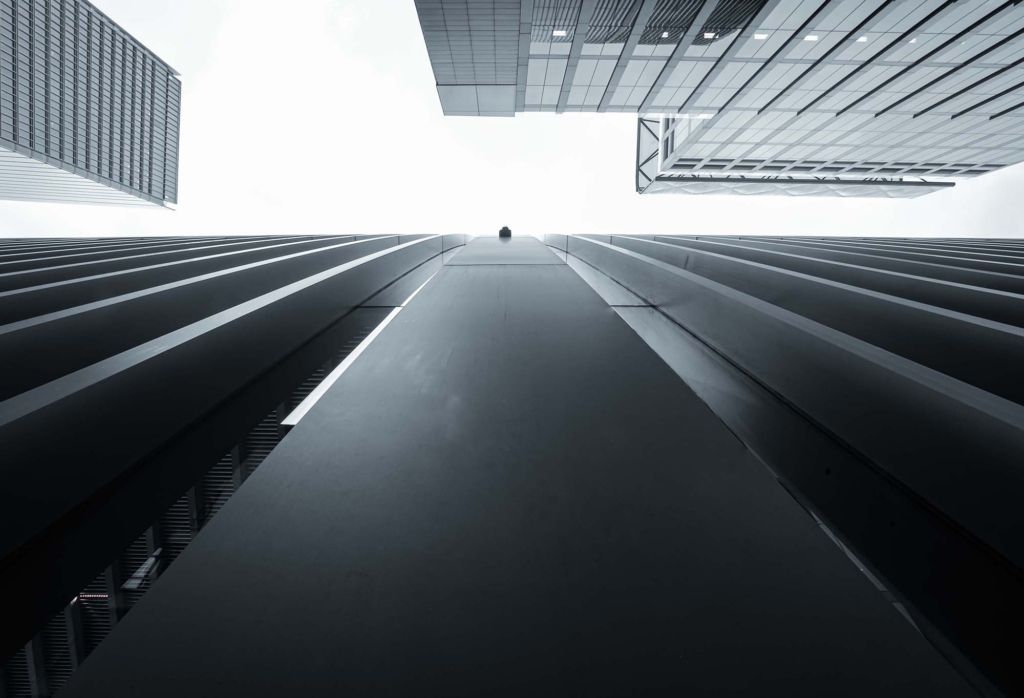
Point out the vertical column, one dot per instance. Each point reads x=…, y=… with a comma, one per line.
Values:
x=117, y=107
x=132, y=95
x=9, y=76
x=522, y=68
x=76, y=641
x=195, y=508
x=154, y=547
x=36, y=667
x=67, y=86
x=82, y=87
x=47, y=77
x=158, y=129
x=238, y=472
x=282, y=412
x=104, y=122
x=37, y=27
x=24, y=82
x=112, y=578
x=149, y=136
x=173, y=125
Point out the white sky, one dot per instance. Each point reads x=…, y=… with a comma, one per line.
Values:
x=320, y=116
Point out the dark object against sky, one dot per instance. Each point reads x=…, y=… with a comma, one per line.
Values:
x=505, y=232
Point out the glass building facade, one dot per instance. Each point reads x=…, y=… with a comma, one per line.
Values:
x=902, y=98
x=87, y=113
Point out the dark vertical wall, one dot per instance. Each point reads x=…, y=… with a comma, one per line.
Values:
x=880, y=379
x=130, y=367
x=509, y=493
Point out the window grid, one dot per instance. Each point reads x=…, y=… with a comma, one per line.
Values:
x=77, y=92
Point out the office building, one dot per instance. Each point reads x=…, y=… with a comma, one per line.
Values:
x=88, y=115
x=597, y=465
x=606, y=465
x=785, y=97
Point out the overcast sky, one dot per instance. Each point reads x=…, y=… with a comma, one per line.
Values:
x=320, y=116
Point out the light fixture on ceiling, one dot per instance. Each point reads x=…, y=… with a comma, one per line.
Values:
x=710, y=35
x=664, y=35
x=760, y=37
x=558, y=32
x=913, y=41
x=862, y=39
x=811, y=37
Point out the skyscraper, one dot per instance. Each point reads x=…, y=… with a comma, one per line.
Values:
x=87, y=113
x=428, y=464
x=503, y=487
x=836, y=98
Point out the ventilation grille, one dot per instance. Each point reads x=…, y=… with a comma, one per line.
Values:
x=744, y=165
x=263, y=439
x=307, y=387
x=132, y=561
x=671, y=17
x=94, y=609
x=16, y=683
x=549, y=15
x=56, y=653
x=176, y=530
x=612, y=21
x=728, y=18
x=217, y=486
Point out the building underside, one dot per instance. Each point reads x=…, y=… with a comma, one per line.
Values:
x=652, y=178
x=917, y=94
x=602, y=465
